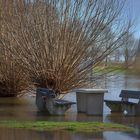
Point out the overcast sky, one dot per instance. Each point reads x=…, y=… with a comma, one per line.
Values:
x=134, y=10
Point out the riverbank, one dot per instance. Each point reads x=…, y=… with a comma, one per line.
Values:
x=116, y=70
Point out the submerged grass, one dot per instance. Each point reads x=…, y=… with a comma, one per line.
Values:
x=69, y=126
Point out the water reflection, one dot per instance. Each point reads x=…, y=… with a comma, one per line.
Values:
x=16, y=134
x=119, y=136
x=127, y=120
x=17, y=108
x=82, y=117
x=88, y=136
x=24, y=109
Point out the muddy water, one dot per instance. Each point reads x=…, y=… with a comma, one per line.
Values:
x=24, y=109
x=13, y=134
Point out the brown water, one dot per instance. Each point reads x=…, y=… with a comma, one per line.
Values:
x=24, y=109
x=13, y=134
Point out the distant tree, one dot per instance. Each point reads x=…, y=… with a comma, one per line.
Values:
x=138, y=50
x=137, y=59
x=130, y=49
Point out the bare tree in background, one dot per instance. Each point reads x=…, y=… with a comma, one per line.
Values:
x=59, y=42
x=137, y=59
x=130, y=49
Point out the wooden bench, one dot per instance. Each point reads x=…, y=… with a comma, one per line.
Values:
x=132, y=108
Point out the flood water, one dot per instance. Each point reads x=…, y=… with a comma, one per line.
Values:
x=24, y=109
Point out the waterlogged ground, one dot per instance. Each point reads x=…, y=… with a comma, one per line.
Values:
x=13, y=134
x=25, y=109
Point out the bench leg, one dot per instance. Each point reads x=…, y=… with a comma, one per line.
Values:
x=41, y=103
x=130, y=109
x=114, y=107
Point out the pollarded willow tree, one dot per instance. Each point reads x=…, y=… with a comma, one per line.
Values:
x=59, y=42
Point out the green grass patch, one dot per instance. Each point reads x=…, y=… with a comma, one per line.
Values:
x=69, y=126
x=114, y=69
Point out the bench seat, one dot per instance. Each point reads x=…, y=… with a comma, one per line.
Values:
x=131, y=108
x=63, y=102
x=45, y=101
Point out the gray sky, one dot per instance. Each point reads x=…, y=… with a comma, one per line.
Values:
x=133, y=9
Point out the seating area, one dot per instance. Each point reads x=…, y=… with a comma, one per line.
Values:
x=45, y=101
x=132, y=108
x=89, y=101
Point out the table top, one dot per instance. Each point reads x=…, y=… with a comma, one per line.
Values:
x=90, y=90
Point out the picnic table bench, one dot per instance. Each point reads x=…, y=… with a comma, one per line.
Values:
x=46, y=101
x=131, y=107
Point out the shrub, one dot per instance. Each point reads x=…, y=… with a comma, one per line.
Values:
x=60, y=42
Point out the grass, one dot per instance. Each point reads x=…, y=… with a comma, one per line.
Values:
x=69, y=126
x=114, y=69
